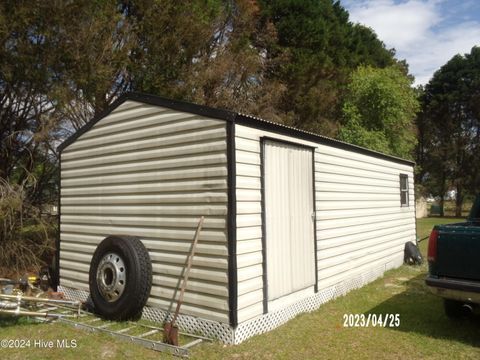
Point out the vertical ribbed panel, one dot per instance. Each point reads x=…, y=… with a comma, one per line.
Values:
x=288, y=215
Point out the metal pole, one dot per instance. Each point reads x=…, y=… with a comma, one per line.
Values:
x=41, y=300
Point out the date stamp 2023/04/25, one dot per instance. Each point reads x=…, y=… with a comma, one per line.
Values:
x=373, y=320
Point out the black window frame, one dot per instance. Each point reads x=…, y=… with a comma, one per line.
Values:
x=404, y=181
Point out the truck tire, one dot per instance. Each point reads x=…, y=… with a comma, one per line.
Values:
x=454, y=309
x=412, y=255
x=120, y=277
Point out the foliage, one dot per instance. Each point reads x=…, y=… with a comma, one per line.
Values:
x=62, y=62
x=316, y=50
x=25, y=237
x=284, y=60
x=379, y=110
x=29, y=64
x=94, y=43
x=210, y=53
x=29, y=79
x=449, y=129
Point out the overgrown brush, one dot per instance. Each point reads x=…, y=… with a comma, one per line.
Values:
x=26, y=239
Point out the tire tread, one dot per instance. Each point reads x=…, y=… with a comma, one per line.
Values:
x=137, y=293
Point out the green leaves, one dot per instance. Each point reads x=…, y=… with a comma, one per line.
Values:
x=449, y=128
x=318, y=49
x=379, y=110
x=285, y=60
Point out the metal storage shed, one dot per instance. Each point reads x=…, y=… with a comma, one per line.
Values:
x=293, y=219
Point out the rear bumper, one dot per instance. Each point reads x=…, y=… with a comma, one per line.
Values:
x=460, y=290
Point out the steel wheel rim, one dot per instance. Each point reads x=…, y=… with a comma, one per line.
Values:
x=111, y=276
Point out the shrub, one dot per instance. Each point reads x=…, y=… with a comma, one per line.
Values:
x=26, y=238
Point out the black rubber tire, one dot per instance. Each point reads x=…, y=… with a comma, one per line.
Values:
x=412, y=255
x=138, y=278
x=454, y=309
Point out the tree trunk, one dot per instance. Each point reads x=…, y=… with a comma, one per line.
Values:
x=100, y=103
x=458, y=202
x=443, y=189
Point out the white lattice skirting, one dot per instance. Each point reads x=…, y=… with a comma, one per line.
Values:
x=260, y=324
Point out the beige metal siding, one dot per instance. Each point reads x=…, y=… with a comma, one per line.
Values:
x=360, y=223
x=150, y=172
x=359, y=226
x=289, y=231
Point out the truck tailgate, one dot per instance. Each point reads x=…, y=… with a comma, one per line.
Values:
x=458, y=252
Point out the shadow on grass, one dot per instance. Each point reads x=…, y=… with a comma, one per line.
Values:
x=17, y=321
x=8, y=321
x=421, y=312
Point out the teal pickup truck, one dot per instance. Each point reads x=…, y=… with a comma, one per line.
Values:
x=454, y=263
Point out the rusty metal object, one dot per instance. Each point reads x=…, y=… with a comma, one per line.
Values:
x=25, y=297
x=56, y=295
x=170, y=335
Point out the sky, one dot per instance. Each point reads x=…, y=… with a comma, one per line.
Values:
x=426, y=33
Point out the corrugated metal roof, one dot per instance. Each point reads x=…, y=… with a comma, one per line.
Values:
x=293, y=131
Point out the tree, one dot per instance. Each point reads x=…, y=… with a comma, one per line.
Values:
x=29, y=69
x=379, y=111
x=95, y=43
x=63, y=62
x=210, y=53
x=449, y=150
x=316, y=50
x=60, y=63
x=29, y=65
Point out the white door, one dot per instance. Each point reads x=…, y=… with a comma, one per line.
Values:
x=289, y=218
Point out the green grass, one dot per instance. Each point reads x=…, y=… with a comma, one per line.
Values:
x=424, y=331
x=89, y=346
x=449, y=207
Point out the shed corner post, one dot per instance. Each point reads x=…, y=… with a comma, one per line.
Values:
x=232, y=224
x=56, y=270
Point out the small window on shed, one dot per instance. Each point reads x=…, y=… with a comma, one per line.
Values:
x=403, y=190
